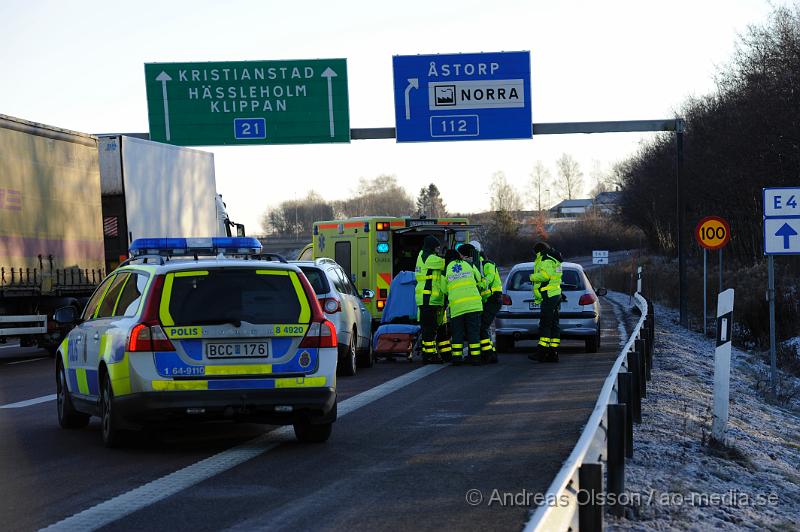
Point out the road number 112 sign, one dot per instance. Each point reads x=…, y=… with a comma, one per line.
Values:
x=712, y=232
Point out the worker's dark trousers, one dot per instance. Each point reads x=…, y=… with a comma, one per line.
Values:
x=490, y=309
x=466, y=328
x=549, y=330
x=428, y=326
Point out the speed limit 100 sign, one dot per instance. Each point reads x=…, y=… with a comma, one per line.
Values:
x=712, y=232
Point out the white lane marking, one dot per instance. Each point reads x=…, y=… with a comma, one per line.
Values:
x=9, y=346
x=29, y=402
x=159, y=489
x=26, y=361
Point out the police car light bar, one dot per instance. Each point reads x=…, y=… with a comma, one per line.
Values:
x=176, y=247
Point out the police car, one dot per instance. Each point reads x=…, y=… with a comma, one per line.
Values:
x=172, y=336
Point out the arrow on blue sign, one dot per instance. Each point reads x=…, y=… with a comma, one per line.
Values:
x=786, y=231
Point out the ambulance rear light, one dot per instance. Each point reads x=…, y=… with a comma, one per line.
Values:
x=330, y=305
x=187, y=247
x=319, y=335
x=381, y=303
x=383, y=293
x=507, y=300
x=316, y=229
x=382, y=226
x=383, y=247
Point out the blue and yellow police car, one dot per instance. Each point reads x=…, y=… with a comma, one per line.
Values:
x=199, y=329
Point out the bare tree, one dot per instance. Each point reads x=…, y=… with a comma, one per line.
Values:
x=381, y=196
x=539, y=185
x=504, y=197
x=570, y=177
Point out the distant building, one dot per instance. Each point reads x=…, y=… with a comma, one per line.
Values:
x=608, y=202
x=571, y=208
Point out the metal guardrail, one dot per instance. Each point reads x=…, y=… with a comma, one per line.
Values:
x=573, y=500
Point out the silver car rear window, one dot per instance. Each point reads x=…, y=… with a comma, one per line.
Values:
x=521, y=280
x=317, y=278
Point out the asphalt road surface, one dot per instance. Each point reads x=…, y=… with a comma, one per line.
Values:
x=410, y=443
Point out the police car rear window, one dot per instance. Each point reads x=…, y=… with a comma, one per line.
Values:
x=317, y=279
x=233, y=296
x=521, y=280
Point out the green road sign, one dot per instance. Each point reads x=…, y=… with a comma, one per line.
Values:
x=248, y=102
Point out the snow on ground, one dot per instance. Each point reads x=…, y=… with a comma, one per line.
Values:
x=676, y=480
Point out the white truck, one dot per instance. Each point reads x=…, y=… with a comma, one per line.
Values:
x=70, y=203
x=152, y=190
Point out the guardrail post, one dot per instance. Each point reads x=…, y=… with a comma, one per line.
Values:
x=641, y=347
x=624, y=395
x=636, y=391
x=590, y=512
x=616, y=455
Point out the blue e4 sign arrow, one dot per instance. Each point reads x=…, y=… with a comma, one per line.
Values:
x=462, y=96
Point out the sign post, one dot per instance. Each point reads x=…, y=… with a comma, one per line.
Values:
x=722, y=364
x=462, y=96
x=781, y=237
x=248, y=102
x=600, y=257
x=712, y=232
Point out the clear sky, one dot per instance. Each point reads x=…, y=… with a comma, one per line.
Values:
x=79, y=65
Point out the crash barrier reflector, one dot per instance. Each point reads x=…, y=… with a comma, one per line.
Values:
x=604, y=440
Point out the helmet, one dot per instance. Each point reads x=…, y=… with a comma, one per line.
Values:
x=476, y=245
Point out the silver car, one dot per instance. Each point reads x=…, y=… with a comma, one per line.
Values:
x=518, y=318
x=344, y=306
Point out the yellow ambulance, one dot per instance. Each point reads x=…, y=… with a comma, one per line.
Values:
x=373, y=249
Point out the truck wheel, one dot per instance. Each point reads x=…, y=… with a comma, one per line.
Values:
x=305, y=432
x=112, y=436
x=504, y=343
x=68, y=417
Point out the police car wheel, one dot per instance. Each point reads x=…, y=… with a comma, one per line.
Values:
x=305, y=432
x=347, y=357
x=112, y=436
x=68, y=417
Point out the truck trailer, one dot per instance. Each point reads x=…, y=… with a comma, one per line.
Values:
x=51, y=227
x=71, y=203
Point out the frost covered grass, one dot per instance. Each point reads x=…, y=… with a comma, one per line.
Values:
x=678, y=479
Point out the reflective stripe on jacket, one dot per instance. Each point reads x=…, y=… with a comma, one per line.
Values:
x=546, y=276
x=461, y=282
x=428, y=273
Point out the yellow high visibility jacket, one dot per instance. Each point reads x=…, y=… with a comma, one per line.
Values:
x=428, y=273
x=491, y=280
x=546, y=276
x=462, y=284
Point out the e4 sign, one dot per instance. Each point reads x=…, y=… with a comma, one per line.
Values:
x=248, y=102
x=782, y=221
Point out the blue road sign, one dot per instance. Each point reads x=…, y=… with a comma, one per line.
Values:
x=462, y=96
x=782, y=221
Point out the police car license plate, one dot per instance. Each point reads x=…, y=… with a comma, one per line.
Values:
x=236, y=349
x=534, y=306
